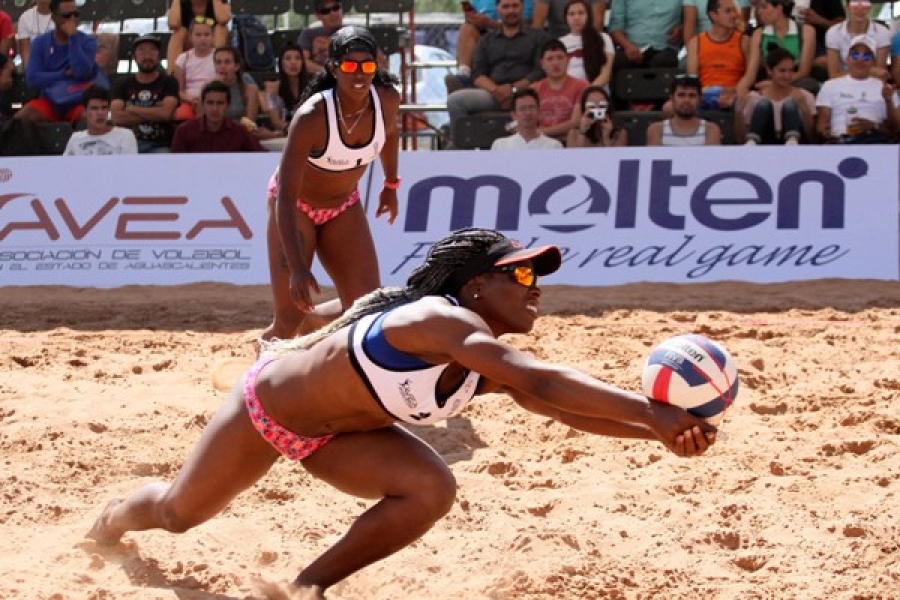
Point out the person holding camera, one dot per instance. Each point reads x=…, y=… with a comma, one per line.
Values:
x=596, y=127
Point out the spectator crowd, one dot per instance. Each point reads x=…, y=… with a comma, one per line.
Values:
x=743, y=71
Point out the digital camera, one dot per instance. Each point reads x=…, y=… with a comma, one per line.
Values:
x=597, y=113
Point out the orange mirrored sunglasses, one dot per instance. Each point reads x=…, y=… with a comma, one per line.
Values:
x=352, y=66
x=521, y=274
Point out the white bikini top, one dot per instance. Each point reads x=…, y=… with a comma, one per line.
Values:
x=404, y=386
x=337, y=155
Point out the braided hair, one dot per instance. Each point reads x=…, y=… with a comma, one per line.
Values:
x=433, y=277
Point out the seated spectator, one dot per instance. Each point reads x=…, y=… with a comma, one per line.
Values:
x=244, y=89
x=591, y=52
x=559, y=92
x=195, y=67
x=821, y=15
x=596, y=126
x=838, y=38
x=213, y=131
x=525, y=114
x=145, y=102
x=857, y=108
x=101, y=138
x=33, y=22
x=553, y=15
x=696, y=18
x=685, y=127
x=313, y=41
x=778, y=28
x=647, y=33
x=719, y=57
x=282, y=96
x=780, y=113
x=481, y=16
x=180, y=16
x=108, y=52
x=61, y=55
x=506, y=59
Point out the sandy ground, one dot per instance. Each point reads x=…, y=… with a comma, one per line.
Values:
x=104, y=390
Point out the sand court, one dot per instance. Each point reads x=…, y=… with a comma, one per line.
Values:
x=104, y=390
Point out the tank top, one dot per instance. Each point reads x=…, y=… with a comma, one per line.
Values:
x=721, y=63
x=404, y=386
x=670, y=138
x=338, y=155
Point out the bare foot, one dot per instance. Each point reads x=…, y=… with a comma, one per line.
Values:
x=100, y=531
x=281, y=590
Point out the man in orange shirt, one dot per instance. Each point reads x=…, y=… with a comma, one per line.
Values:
x=719, y=57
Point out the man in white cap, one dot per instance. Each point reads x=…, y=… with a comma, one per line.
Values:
x=857, y=108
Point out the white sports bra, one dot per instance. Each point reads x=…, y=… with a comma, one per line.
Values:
x=337, y=155
x=403, y=385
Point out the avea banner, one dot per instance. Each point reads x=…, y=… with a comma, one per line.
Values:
x=762, y=214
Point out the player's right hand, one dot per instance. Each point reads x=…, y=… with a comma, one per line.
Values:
x=301, y=282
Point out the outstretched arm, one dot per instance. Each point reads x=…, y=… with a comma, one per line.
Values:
x=461, y=336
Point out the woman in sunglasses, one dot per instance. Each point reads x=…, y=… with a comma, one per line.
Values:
x=183, y=12
x=335, y=401
x=348, y=119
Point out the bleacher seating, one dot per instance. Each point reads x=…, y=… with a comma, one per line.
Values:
x=282, y=37
x=14, y=8
x=119, y=10
x=635, y=123
x=633, y=87
x=725, y=121
x=480, y=130
x=55, y=136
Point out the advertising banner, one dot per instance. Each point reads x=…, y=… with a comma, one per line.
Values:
x=760, y=214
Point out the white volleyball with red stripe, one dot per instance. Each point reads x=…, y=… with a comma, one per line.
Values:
x=693, y=372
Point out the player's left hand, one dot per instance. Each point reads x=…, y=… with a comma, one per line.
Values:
x=387, y=204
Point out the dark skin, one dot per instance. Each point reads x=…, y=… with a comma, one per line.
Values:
x=293, y=238
x=371, y=456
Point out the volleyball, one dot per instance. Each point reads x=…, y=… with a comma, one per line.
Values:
x=693, y=372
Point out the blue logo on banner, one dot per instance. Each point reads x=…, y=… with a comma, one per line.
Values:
x=560, y=203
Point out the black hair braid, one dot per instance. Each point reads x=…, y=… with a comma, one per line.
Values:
x=428, y=279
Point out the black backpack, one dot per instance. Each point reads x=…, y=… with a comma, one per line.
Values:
x=252, y=39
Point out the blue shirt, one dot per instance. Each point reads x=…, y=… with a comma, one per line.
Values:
x=647, y=23
x=703, y=22
x=50, y=59
x=489, y=8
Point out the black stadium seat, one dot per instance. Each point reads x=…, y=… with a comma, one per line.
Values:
x=642, y=86
x=283, y=37
x=479, y=130
x=55, y=136
x=635, y=123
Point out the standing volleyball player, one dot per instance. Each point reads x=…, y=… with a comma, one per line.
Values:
x=348, y=119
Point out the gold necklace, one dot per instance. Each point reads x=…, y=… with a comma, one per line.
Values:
x=358, y=114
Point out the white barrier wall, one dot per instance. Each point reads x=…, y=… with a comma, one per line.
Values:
x=755, y=214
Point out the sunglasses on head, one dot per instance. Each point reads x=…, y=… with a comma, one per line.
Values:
x=72, y=14
x=204, y=20
x=352, y=66
x=857, y=55
x=521, y=274
x=329, y=9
